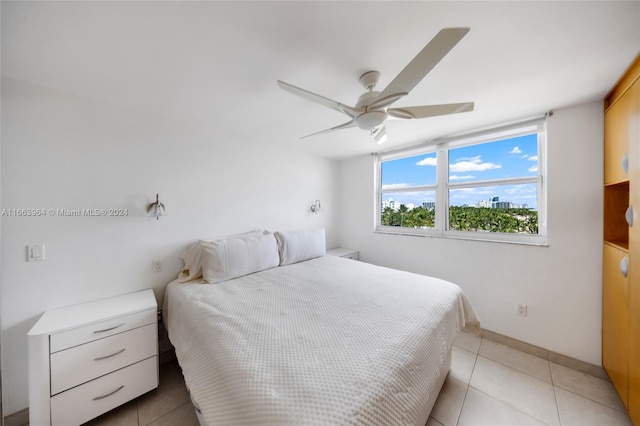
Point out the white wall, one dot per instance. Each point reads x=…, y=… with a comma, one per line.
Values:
x=561, y=283
x=61, y=151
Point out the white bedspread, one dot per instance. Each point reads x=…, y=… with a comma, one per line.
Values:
x=325, y=342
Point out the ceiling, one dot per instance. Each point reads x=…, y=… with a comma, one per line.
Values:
x=215, y=64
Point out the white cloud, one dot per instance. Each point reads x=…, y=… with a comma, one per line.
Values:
x=415, y=197
x=429, y=161
x=395, y=186
x=533, y=158
x=473, y=164
x=521, y=189
x=515, y=151
x=533, y=169
x=481, y=190
x=458, y=177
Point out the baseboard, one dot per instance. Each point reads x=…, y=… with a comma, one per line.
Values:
x=19, y=418
x=566, y=361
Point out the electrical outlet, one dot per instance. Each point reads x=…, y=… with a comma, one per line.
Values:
x=157, y=265
x=522, y=310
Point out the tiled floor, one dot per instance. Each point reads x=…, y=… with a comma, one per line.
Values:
x=489, y=384
x=492, y=384
x=168, y=405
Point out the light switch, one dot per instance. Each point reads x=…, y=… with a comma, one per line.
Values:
x=35, y=252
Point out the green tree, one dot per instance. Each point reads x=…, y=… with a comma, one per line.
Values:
x=465, y=218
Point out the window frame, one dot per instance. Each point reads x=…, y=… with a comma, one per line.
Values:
x=442, y=186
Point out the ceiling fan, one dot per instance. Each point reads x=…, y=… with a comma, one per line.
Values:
x=372, y=108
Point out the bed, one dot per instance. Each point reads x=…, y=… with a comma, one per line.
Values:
x=323, y=340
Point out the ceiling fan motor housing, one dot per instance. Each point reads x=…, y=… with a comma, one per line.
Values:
x=366, y=98
x=369, y=119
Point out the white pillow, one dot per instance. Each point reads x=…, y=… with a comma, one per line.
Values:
x=297, y=246
x=192, y=257
x=231, y=258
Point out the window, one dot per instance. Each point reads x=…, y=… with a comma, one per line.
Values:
x=486, y=185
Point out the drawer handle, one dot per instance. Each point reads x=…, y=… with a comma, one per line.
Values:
x=97, y=398
x=108, y=329
x=628, y=215
x=624, y=266
x=100, y=358
x=624, y=163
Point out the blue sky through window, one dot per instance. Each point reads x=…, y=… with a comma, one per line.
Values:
x=507, y=158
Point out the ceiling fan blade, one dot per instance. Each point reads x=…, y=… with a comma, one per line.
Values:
x=420, y=66
x=429, y=110
x=379, y=134
x=346, y=125
x=329, y=103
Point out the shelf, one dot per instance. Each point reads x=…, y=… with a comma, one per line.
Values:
x=616, y=202
x=620, y=245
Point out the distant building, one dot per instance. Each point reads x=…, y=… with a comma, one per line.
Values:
x=501, y=205
x=391, y=203
x=495, y=203
x=429, y=205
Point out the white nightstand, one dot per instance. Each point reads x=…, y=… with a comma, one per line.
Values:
x=343, y=252
x=87, y=359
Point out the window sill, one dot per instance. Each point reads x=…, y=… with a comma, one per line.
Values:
x=488, y=237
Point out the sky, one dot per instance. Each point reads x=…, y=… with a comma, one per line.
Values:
x=515, y=157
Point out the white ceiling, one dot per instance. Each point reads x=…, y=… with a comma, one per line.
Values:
x=215, y=64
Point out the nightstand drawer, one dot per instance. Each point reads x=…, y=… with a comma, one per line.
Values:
x=98, y=396
x=101, y=329
x=80, y=364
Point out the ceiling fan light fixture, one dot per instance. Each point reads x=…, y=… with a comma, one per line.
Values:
x=370, y=119
x=379, y=134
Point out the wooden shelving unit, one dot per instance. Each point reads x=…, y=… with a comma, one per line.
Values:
x=621, y=251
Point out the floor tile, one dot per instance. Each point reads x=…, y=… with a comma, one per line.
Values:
x=468, y=341
x=530, y=364
x=462, y=363
x=488, y=384
x=125, y=415
x=184, y=415
x=447, y=408
x=433, y=422
x=521, y=391
x=576, y=410
x=171, y=394
x=588, y=386
x=480, y=410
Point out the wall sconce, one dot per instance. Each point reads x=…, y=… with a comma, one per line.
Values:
x=156, y=209
x=315, y=207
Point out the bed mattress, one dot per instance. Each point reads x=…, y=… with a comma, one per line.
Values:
x=325, y=341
